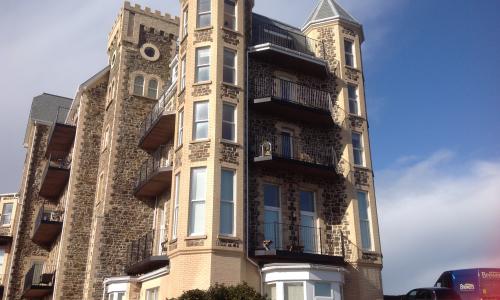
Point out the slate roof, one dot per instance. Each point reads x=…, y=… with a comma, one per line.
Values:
x=329, y=10
x=47, y=107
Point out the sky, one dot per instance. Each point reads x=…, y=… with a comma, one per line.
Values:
x=432, y=71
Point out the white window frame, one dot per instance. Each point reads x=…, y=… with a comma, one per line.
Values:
x=349, y=53
x=183, y=74
x=9, y=214
x=360, y=150
x=230, y=68
x=197, y=122
x=175, y=217
x=152, y=294
x=231, y=201
x=185, y=16
x=229, y=15
x=354, y=101
x=201, y=13
x=180, y=128
x=232, y=124
x=313, y=215
x=135, y=85
x=199, y=66
x=192, y=224
x=304, y=286
x=275, y=209
x=367, y=221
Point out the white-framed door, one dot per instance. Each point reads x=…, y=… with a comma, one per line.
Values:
x=309, y=237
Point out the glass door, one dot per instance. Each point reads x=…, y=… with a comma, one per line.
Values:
x=308, y=230
x=286, y=145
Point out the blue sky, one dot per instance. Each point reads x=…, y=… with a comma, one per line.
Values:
x=432, y=70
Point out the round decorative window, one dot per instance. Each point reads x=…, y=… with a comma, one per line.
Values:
x=150, y=52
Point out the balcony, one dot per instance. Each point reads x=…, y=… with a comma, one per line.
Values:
x=55, y=177
x=280, y=242
x=6, y=231
x=60, y=140
x=288, y=49
x=287, y=153
x=155, y=175
x=142, y=257
x=39, y=281
x=48, y=226
x=159, y=126
x=292, y=101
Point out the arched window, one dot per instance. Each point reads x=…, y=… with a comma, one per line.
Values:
x=153, y=88
x=139, y=85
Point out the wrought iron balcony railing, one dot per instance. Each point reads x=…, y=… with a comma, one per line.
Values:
x=39, y=276
x=165, y=103
x=288, y=91
x=141, y=249
x=143, y=257
x=263, y=33
x=162, y=158
x=46, y=215
x=298, y=238
x=285, y=146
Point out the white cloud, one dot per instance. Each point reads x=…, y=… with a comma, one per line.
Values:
x=437, y=214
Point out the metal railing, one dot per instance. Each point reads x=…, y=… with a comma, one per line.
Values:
x=39, y=275
x=298, y=238
x=268, y=33
x=165, y=103
x=61, y=163
x=285, y=90
x=141, y=249
x=163, y=157
x=288, y=147
x=46, y=215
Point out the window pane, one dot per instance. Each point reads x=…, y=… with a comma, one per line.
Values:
x=294, y=291
x=364, y=221
x=204, y=20
x=348, y=47
x=228, y=113
x=363, y=205
x=271, y=291
x=228, y=125
x=353, y=107
x=307, y=201
x=203, y=5
x=227, y=189
x=202, y=56
x=229, y=75
x=228, y=132
x=180, y=128
x=197, y=218
x=153, y=89
x=120, y=296
x=356, y=141
x=198, y=194
x=227, y=220
x=351, y=90
x=322, y=289
x=271, y=195
x=202, y=74
x=139, y=85
x=198, y=184
x=201, y=131
x=201, y=111
x=229, y=58
x=229, y=14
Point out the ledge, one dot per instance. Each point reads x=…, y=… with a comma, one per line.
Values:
x=203, y=28
x=207, y=82
x=232, y=31
x=231, y=85
x=352, y=68
x=199, y=141
x=228, y=237
x=223, y=141
x=196, y=237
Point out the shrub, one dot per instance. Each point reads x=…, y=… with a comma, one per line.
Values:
x=221, y=292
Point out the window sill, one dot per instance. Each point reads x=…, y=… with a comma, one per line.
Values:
x=352, y=68
x=361, y=167
x=207, y=82
x=200, y=141
x=232, y=30
x=232, y=85
x=224, y=141
x=5, y=225
x=204, y=28
x=356, y=116
x=228, y=237
x=145, y=97
x=196, y=237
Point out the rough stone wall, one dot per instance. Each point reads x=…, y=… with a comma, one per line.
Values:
x=25, y=249
x=83, y=191
x=121, y=206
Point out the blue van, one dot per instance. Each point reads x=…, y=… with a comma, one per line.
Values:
x=472, y=284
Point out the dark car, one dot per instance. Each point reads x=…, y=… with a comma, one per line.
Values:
x=432, y=294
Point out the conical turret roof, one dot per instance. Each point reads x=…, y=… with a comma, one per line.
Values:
x=327, y=10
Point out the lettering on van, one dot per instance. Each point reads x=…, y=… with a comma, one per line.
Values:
x=467, y=287
x=490, y=275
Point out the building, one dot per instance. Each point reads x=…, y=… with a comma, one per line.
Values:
x=219, y=147
x=8, y=206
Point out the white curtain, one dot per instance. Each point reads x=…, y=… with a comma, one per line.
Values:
x=294, y=291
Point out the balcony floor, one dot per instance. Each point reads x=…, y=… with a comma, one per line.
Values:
x=287, y=58
x=53, y=182
x=161, y=131
x=283, y=256
x=156, y=184
x=38, y=291
x=293, y=111
x=284, y=164
x=147, y=265
x=60, y=140
x=46, y=233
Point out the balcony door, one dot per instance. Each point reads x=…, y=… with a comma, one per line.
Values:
x=308, y=229
x=272, y=216
x=284, y=87
x=286, y=144
x=161, y=229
